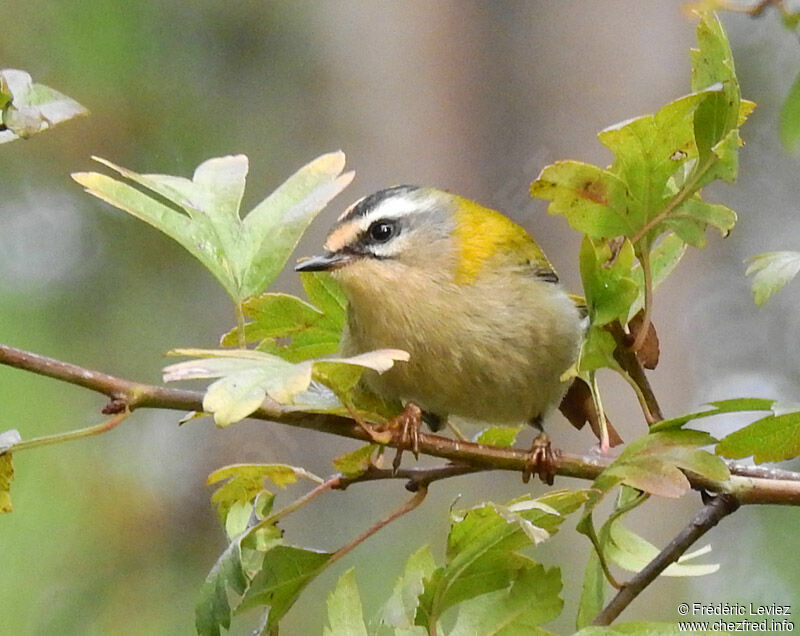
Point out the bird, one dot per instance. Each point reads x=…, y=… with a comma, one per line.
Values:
x=469, y=294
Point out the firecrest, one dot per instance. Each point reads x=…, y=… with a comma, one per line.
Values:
x=466, y=291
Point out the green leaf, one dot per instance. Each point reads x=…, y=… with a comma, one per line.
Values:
x=664, y=258
x=345, y=614
x=631, y=552
x=608, y=283
x=593, y=591
x=790, y=116
x=326, y=294
x=402, y=605
x=244, y=255
x=247, y=377
x=593, y=200
x=214, y=609
x=284, y=572
x=356, y=463
x=773, y=438
x=648, y=150
x=771, y=271
x=531, y=600
x=707, y=214
x=501, y=436
x=735, y=405
x=6, y=477
x=654, y=463
x=597, y=351
x=482, y=549
x=27, y=108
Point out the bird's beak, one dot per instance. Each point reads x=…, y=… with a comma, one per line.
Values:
x=323, y=263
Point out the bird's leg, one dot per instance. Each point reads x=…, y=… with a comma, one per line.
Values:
x=408, y=420
x=542, y=457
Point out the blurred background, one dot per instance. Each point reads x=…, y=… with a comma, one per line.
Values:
x=115, y=534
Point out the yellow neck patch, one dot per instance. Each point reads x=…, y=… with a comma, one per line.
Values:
x=483, y=235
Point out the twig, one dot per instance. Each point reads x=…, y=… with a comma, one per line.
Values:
x=711, y=514
x=412, y=503
x=748, y=489
x=417, y=477
x=46, y=440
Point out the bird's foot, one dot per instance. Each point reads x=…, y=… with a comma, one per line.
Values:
x=542, y=460
x=408, y=421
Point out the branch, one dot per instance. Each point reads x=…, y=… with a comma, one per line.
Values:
x=748, y=485
x=714, y=511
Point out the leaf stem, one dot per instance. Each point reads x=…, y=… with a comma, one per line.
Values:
x=58, y=438
x=712, y=513
x=240, y=324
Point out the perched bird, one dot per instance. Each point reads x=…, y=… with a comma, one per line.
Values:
x=467, y=292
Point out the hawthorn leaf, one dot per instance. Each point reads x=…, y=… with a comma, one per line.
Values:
x=608, y=284
x=593, y=200
x=27, y=108
x=706, y=214
x=482, y=548
x=244, y=255
x=401, y=607
x=664, y=258
x=597, y=351
x=326, y=294
x=283, y=574
x=247, y=377
x=356, y=463
x=531, y=600
x=501, y=436
x=345, y=613
x=631, y=552
x=214, y=609
x=773, y=438
x=735, y=405
x=771, y=271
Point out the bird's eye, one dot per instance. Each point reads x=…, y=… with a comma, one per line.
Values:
x=382, y=231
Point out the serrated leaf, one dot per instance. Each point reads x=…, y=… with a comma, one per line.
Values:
x=244, y=255
x=402, y=605
x=27, y=108
x=482, y=548
x=653, y=463
x=6, y=477
x=501, y=436
x=773, y=438
x=245, y=482
x=771, y=271
x=531, y=600
x=664, y=258
x=355, y=463
x=597, y=351
x=247, y=377
x=284, y=572
x=648, y=150
x=214, y=609
x=707, y=214
x=326, y=294
x=593, y=200
x=607, y=279
x=735, y=405
x=345, y=614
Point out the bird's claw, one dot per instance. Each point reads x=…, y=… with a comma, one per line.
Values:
x=542, y=459
x=409, y=422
